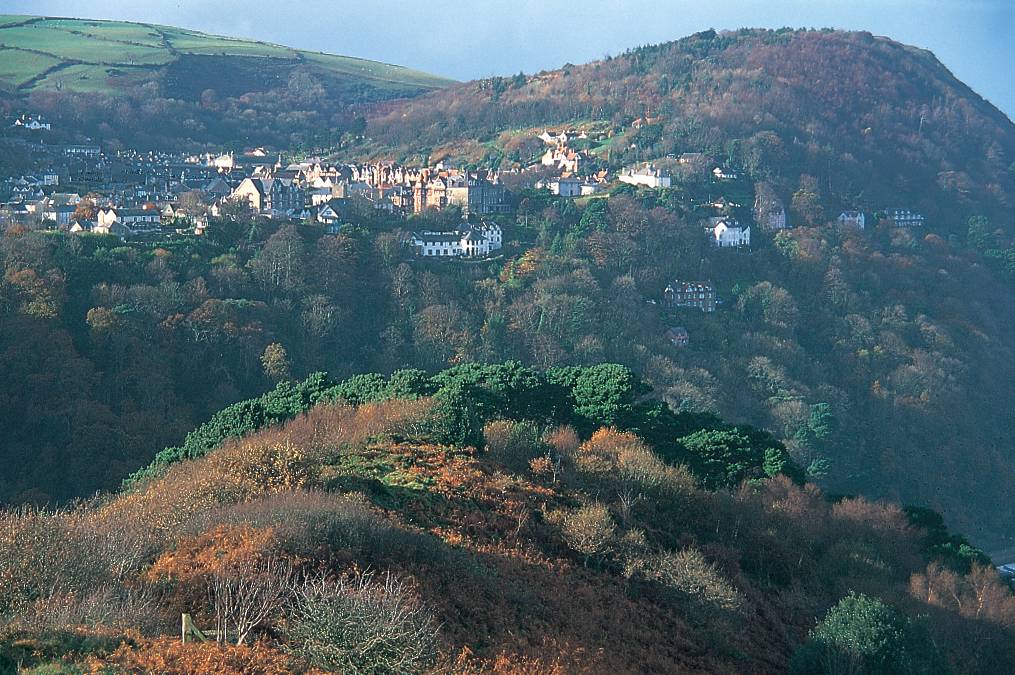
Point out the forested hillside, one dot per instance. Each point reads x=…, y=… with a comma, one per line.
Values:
x=874, y=121
x=489, y=519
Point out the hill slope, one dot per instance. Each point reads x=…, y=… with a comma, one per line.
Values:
x=516, y=543
x=876, y=122
x=42, y=53
x=185, y=84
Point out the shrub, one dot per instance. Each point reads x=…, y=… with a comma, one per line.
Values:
x=513, y=444
x=360, y=625
x=863, y=634
x=695, y=580
x=453, y=420
x=588, y=530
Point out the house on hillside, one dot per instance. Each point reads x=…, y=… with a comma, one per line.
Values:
x=855, y=219
x=471, y=242
x=332, y=213
x=61, y=214
x=729, y=233
x=723, y=175
x=134, y=220
x=904, y=218
x=32, y=123
x=270, y=196
x=690, y=294
x=678, y=336
x=647, y=175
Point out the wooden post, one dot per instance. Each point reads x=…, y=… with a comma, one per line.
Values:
x=188, y=628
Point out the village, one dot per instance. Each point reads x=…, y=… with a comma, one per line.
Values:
x=154, y=197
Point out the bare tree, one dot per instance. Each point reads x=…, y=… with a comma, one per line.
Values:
x=245, y=595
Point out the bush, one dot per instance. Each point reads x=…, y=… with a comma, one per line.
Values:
x=862, y=634
x=359, y=625
x=453, y=420
x=513, y=444
x=695, y=580
x=588, y=530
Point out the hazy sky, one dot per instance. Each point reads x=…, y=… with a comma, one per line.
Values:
x=496, y=37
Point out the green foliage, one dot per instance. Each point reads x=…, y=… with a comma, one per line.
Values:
x=862, y=634
x=726, y=457
x=953, y=550
x=283, y=403
x=453, y=420
x=604, y=394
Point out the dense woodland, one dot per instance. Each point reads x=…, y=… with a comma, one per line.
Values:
x=879, y=357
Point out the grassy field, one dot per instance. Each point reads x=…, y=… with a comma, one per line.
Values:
x=18, y=67
x=108, y=56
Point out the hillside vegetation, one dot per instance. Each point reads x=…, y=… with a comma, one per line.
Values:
x=172, y=74
x=875, y=122
x=489, y=519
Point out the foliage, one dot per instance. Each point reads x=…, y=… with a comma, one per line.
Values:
x=862, y=634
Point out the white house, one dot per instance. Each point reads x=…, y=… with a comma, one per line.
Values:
x=135, y=220
x=855, y=219
x=723, y=175
x=32, y=122
x=728, y=233
x=904, y=218
x=648, y=175
x=568, y=186
x=472, y=242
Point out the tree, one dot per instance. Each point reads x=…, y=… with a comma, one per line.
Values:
x=806, y=203
x=275, y=361
x=978, y=234
x=864, y=635
x=453, y=420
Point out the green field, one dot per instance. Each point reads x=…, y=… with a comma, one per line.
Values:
x=40, y=53
x=18, y=67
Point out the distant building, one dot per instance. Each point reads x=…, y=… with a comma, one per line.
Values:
x=134, y=220
x=769, y=211
x=729, y=233
x=723, y=175
x=690, y=294
x=678, y=336
x=904, y=218
x=270, y=196
x=32, y=123
x=471, y=242
x=61, y=214
x=647, y=175
x=332, y=212
x=566, y=187
x=855, y=219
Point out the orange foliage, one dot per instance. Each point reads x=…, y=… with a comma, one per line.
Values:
x=169, y=655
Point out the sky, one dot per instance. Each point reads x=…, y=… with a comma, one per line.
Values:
x=470, y=40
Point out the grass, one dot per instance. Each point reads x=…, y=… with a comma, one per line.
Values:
x=133, y=50
x=18, y=67
x=70, y=47
x=89, y=78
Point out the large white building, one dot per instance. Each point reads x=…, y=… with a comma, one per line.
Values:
x=473, y=242
x=855, y=219
x=728, y=233
x=648, y=175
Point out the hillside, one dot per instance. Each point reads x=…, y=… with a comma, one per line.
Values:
x=874, y=121
x=85, y=61
x=489, y=519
